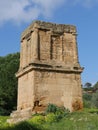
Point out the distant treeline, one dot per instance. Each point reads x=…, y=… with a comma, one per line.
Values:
x=8, y=83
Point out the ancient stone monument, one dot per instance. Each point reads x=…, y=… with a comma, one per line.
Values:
x=49, y=69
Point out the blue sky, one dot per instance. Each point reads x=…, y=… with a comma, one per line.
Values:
x=16, y=15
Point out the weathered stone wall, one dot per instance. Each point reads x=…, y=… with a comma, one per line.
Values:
x=48, y=87
x=57, y=88
x=26, y=91
x=53, y=43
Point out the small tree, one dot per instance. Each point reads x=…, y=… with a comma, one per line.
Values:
x=87, y=85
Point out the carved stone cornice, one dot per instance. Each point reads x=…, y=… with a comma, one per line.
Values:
x=47, y=26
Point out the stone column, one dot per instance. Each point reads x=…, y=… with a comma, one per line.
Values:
x=34, y=42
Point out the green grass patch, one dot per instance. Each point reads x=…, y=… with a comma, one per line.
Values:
x=86, y=119
x=76, y=121
x=3, y=122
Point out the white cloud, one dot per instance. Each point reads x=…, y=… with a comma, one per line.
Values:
x=48, y=6
x=26, y=10
x=16, y=10
x=21, y=11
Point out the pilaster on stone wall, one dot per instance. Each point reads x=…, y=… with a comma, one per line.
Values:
x=75, y=54
x=23, y=54
x=28, y=51
x=35, y=42
x=50, y=48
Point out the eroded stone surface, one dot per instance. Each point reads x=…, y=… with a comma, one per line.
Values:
x=18, y=116
x=49, y=69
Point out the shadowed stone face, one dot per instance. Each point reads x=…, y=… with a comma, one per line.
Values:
x=49, y=69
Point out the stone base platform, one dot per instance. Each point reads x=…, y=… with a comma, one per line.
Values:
x=18, y=116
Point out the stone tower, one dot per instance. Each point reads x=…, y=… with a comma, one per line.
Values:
x=49, y=69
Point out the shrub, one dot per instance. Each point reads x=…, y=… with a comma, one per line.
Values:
x=95, y=100
x=93, y=110
x=51, y=108
x=87, y=96
x=51, y=117
x=87, y=100
x=59, y=112
x=39, y=119
x=86, y=104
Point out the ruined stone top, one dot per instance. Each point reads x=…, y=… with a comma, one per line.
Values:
x=57, y=28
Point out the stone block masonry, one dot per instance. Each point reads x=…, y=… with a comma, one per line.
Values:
x=49, y=69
